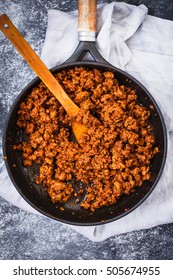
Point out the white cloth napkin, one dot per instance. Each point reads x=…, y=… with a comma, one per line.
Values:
x=143, y=46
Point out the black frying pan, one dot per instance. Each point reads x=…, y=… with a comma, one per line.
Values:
x=23, y=178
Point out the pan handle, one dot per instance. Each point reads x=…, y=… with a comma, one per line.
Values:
x=82, y=49
x=87, y=20
x=87, y=27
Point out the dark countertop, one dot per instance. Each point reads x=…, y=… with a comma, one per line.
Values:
x=27, y=236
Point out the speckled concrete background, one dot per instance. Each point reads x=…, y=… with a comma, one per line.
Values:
x=28, y=236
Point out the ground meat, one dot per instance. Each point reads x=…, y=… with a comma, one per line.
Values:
x=111, y=160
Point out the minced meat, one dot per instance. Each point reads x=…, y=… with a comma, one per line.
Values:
x=111, y=160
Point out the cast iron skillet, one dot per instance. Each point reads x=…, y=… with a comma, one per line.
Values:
x=23, y=178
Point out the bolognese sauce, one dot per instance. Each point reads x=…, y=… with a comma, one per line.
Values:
x=111, y=160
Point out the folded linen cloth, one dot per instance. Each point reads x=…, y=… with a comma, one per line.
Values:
x=143, y=46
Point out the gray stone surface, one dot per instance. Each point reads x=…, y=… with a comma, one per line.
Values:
x=28, y=236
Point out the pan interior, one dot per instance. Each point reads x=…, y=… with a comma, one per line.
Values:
x=36, y=195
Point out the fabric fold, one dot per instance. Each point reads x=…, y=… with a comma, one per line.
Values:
x=122, y=21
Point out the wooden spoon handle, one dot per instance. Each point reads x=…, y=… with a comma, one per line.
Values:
x=37, y=65
x=87, y=25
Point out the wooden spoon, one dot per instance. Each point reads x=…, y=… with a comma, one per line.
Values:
x=43, y=73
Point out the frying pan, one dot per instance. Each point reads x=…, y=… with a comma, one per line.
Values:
x=23, y=178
